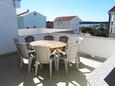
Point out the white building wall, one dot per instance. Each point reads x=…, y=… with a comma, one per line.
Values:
x=30, y=20
x=65, y=24
x=15, y=3
x=20, y=21
x=75, y=24
x=56, y=25
x=9, y=2
x=62, y=24
x=72, y=24
x=8, y=27
x=113, y=25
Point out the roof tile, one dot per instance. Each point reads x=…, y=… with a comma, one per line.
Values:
x=64, y=18
x=112, y=9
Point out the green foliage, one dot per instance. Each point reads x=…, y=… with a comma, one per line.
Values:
x=95, y=32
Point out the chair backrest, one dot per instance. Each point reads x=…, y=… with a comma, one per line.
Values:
x=29, y=39
x=22, y=48
x=79, y=40
x=72, y=51
x=42, y=54
x=15, y=42
x=48, y=37
x=63, y=39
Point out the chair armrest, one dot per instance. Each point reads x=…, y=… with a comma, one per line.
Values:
x=26, y=43
x=64, y=53
x=77, y=44
x=32, y=53
x=54, y=52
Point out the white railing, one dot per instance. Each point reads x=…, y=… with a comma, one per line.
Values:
x=96, y=78
x=40, y=33
x=98, y=46
x=22, y=32
x=16, y=3
x=8, y=26
x=94, y=46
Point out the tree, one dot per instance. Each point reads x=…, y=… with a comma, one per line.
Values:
x=95, y=32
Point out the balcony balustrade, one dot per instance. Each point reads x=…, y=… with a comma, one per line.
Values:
x=93, y=52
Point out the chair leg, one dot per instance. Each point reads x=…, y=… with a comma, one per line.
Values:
x=77, y=62
x=50, y=65
x=55, y=61
x=21, y=62
x=78, y=58
x=29, y=65
x=66, y=66
x=57, y=66
x=41, y=66
x=88, y=84
x=36, y=69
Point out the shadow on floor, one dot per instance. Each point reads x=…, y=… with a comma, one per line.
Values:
x=12, y=75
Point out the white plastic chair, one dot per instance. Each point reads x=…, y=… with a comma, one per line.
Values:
x=71, y=54
x=25, y=55
x=43, y=57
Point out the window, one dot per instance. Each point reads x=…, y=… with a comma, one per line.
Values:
x=59, y=21
x=27, y=27
x=35, y=13
x=34, y=26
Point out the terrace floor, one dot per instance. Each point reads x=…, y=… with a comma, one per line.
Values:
x=12, y=75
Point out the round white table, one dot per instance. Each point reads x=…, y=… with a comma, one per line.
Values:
x=53, y=45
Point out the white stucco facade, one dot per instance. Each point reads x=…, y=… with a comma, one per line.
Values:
x=14, y=3
x=112, y=22
x=71, y=24
x=10, y=2
x=8, y=26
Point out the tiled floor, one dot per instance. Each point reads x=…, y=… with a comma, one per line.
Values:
x=12, y=75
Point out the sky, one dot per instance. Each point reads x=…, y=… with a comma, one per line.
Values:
x=87, y=10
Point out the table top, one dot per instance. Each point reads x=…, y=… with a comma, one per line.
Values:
x=48, y=43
